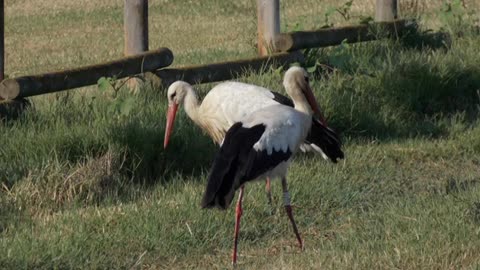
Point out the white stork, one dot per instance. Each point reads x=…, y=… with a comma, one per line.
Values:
x=262, y=144
x=229, y=102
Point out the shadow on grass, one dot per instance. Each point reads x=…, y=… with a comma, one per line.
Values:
x=123, y=168
x=426, y=39
x=147, y=162
x=10, y=215
x=415, y=95
x=13, y=109
x=407, y=100
x=456, y=186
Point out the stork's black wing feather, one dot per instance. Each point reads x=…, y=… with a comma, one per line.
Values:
x=282, y=99
x=233, y=152
x=238, y=162
x=260, y=162
x=326, y=139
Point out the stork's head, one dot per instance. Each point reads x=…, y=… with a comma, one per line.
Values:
x=297, y=85
x=176, y=95
x=177, y=91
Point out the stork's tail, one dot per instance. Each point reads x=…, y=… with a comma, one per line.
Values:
x=325, y=141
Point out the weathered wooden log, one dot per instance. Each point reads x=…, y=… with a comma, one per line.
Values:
x=334, y=36
x=62, y=80
x=198, y=74
x=386, y=10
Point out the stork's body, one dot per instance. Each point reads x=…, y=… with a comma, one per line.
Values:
x=262, y=144
x=228, y=103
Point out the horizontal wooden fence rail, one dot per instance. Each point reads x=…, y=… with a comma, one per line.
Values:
x=334, y=36
x=225, y=70
x=27, y=86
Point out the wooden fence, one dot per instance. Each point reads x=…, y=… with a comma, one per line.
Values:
x=274, y=48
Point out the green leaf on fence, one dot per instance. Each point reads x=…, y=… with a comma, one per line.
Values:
x=103, y=84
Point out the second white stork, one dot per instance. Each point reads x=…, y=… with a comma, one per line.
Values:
x=262, y=144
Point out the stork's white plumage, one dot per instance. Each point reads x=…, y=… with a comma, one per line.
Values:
x=262, y=144
x=224, y=105
x=235, y=100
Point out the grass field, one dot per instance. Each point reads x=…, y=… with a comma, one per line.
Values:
x=86, y=184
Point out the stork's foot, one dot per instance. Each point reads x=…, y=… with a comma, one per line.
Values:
x=268, y=190
x=238, y=215
x=288, y=209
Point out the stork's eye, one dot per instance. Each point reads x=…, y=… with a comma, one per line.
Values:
x=172, y=96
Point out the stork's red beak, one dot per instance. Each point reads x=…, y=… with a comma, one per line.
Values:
x=314, y=105
x=171, y=112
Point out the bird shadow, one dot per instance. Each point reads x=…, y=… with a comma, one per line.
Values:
x=415, y=38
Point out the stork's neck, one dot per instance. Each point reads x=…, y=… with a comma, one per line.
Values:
x=303, y=106
x=191, y=104
x=299, y=101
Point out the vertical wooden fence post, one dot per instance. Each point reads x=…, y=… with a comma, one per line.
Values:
x=268, y=14
x=2, y=41
x=386, y=10
x=135, y=22
x=136, y=26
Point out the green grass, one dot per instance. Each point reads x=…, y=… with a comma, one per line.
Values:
x=84, y=186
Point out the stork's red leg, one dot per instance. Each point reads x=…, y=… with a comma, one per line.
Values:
x=268, y=189
x=288, y=209
x=238, y=214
